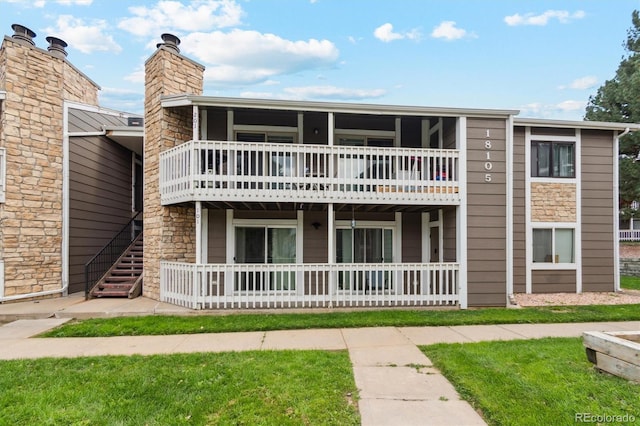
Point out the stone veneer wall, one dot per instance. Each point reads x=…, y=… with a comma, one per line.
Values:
x=553, y=202
x=36, y=84
x=169, y=232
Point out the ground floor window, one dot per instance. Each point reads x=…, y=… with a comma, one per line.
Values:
x=553, y=245
x=265, y=245
x=364, y=245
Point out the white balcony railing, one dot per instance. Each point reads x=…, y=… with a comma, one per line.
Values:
x=273, y=172
x=237, y=286
x=629, y=235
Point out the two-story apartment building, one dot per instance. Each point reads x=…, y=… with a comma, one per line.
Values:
x=269, y=203
x=272, y=204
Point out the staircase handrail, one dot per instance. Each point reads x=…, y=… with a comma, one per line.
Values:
x=100, y=263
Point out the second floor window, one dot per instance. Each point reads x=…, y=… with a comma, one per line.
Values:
x=553, y=159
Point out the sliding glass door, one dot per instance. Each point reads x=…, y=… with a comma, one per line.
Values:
x=265, y=245
x=368, y=246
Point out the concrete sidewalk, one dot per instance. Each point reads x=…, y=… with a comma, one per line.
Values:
x=396, y=381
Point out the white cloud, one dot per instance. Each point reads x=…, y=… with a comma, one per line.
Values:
x=562, y=16
x=583, y=83
x=43, y=3
x=167, y=15
x=249, y=56
x=318, y=92
x=565, y=110
x=332, y=92
x=448, y=31
x=385, y=33
x=85, y=37
x=74, y=2
x=571, y=106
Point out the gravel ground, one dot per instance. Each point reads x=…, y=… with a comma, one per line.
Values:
x=591, y=298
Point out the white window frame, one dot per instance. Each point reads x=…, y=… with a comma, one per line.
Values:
x=264, y=223
x=360, y=224
x=553, y=265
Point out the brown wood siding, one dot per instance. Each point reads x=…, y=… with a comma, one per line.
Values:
x=411, y=238
x=449, y=235
x=598, y=248
x=315, y=241
x=486, y=213
x=553, y=281
x=99, y=199
x=519, y=212
x=217, y=236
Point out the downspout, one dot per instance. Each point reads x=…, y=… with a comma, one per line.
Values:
x=616, y=211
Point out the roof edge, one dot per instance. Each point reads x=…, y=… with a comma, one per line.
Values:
x=171, y=101
x=584, y=124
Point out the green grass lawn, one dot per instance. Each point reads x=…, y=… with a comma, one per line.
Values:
x=268, y=388
x=159, y=325
x=535, y=382
x=630, y=283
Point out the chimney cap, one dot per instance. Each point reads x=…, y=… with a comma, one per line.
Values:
x=56, y=47
x=23, y=33
x=170, y=41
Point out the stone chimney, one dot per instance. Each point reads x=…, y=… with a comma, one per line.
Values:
x=170, y=42
x=23, y=34
x=169, y=231
x=56, y=47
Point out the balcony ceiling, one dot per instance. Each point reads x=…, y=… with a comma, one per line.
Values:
x=319, y=207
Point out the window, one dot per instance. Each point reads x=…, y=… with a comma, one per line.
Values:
x=555, y=245
x=364, y=245
x=553, y=159
x=266, y=245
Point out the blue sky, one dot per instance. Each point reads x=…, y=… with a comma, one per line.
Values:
x=544, y=58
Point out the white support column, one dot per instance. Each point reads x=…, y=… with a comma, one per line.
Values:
x=204, y=125
x=300, y=127
x=577, y=234
x=300, y=251
x=228, y=277
x=330, y=128
x=426, y=236
x=199, y=232
x=616, y=217
x=426, y=133
x=204, y=250
x=331, y=251
x=230, y=125
x=440, y=235
x=461, y=213
x=509, y=204
x=195, y=130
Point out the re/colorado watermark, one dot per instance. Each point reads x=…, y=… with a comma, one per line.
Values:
x=604, y=418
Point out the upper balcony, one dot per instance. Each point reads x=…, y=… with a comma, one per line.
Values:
x=231, y=171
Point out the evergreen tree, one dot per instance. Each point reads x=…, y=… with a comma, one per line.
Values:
x=618, y=100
